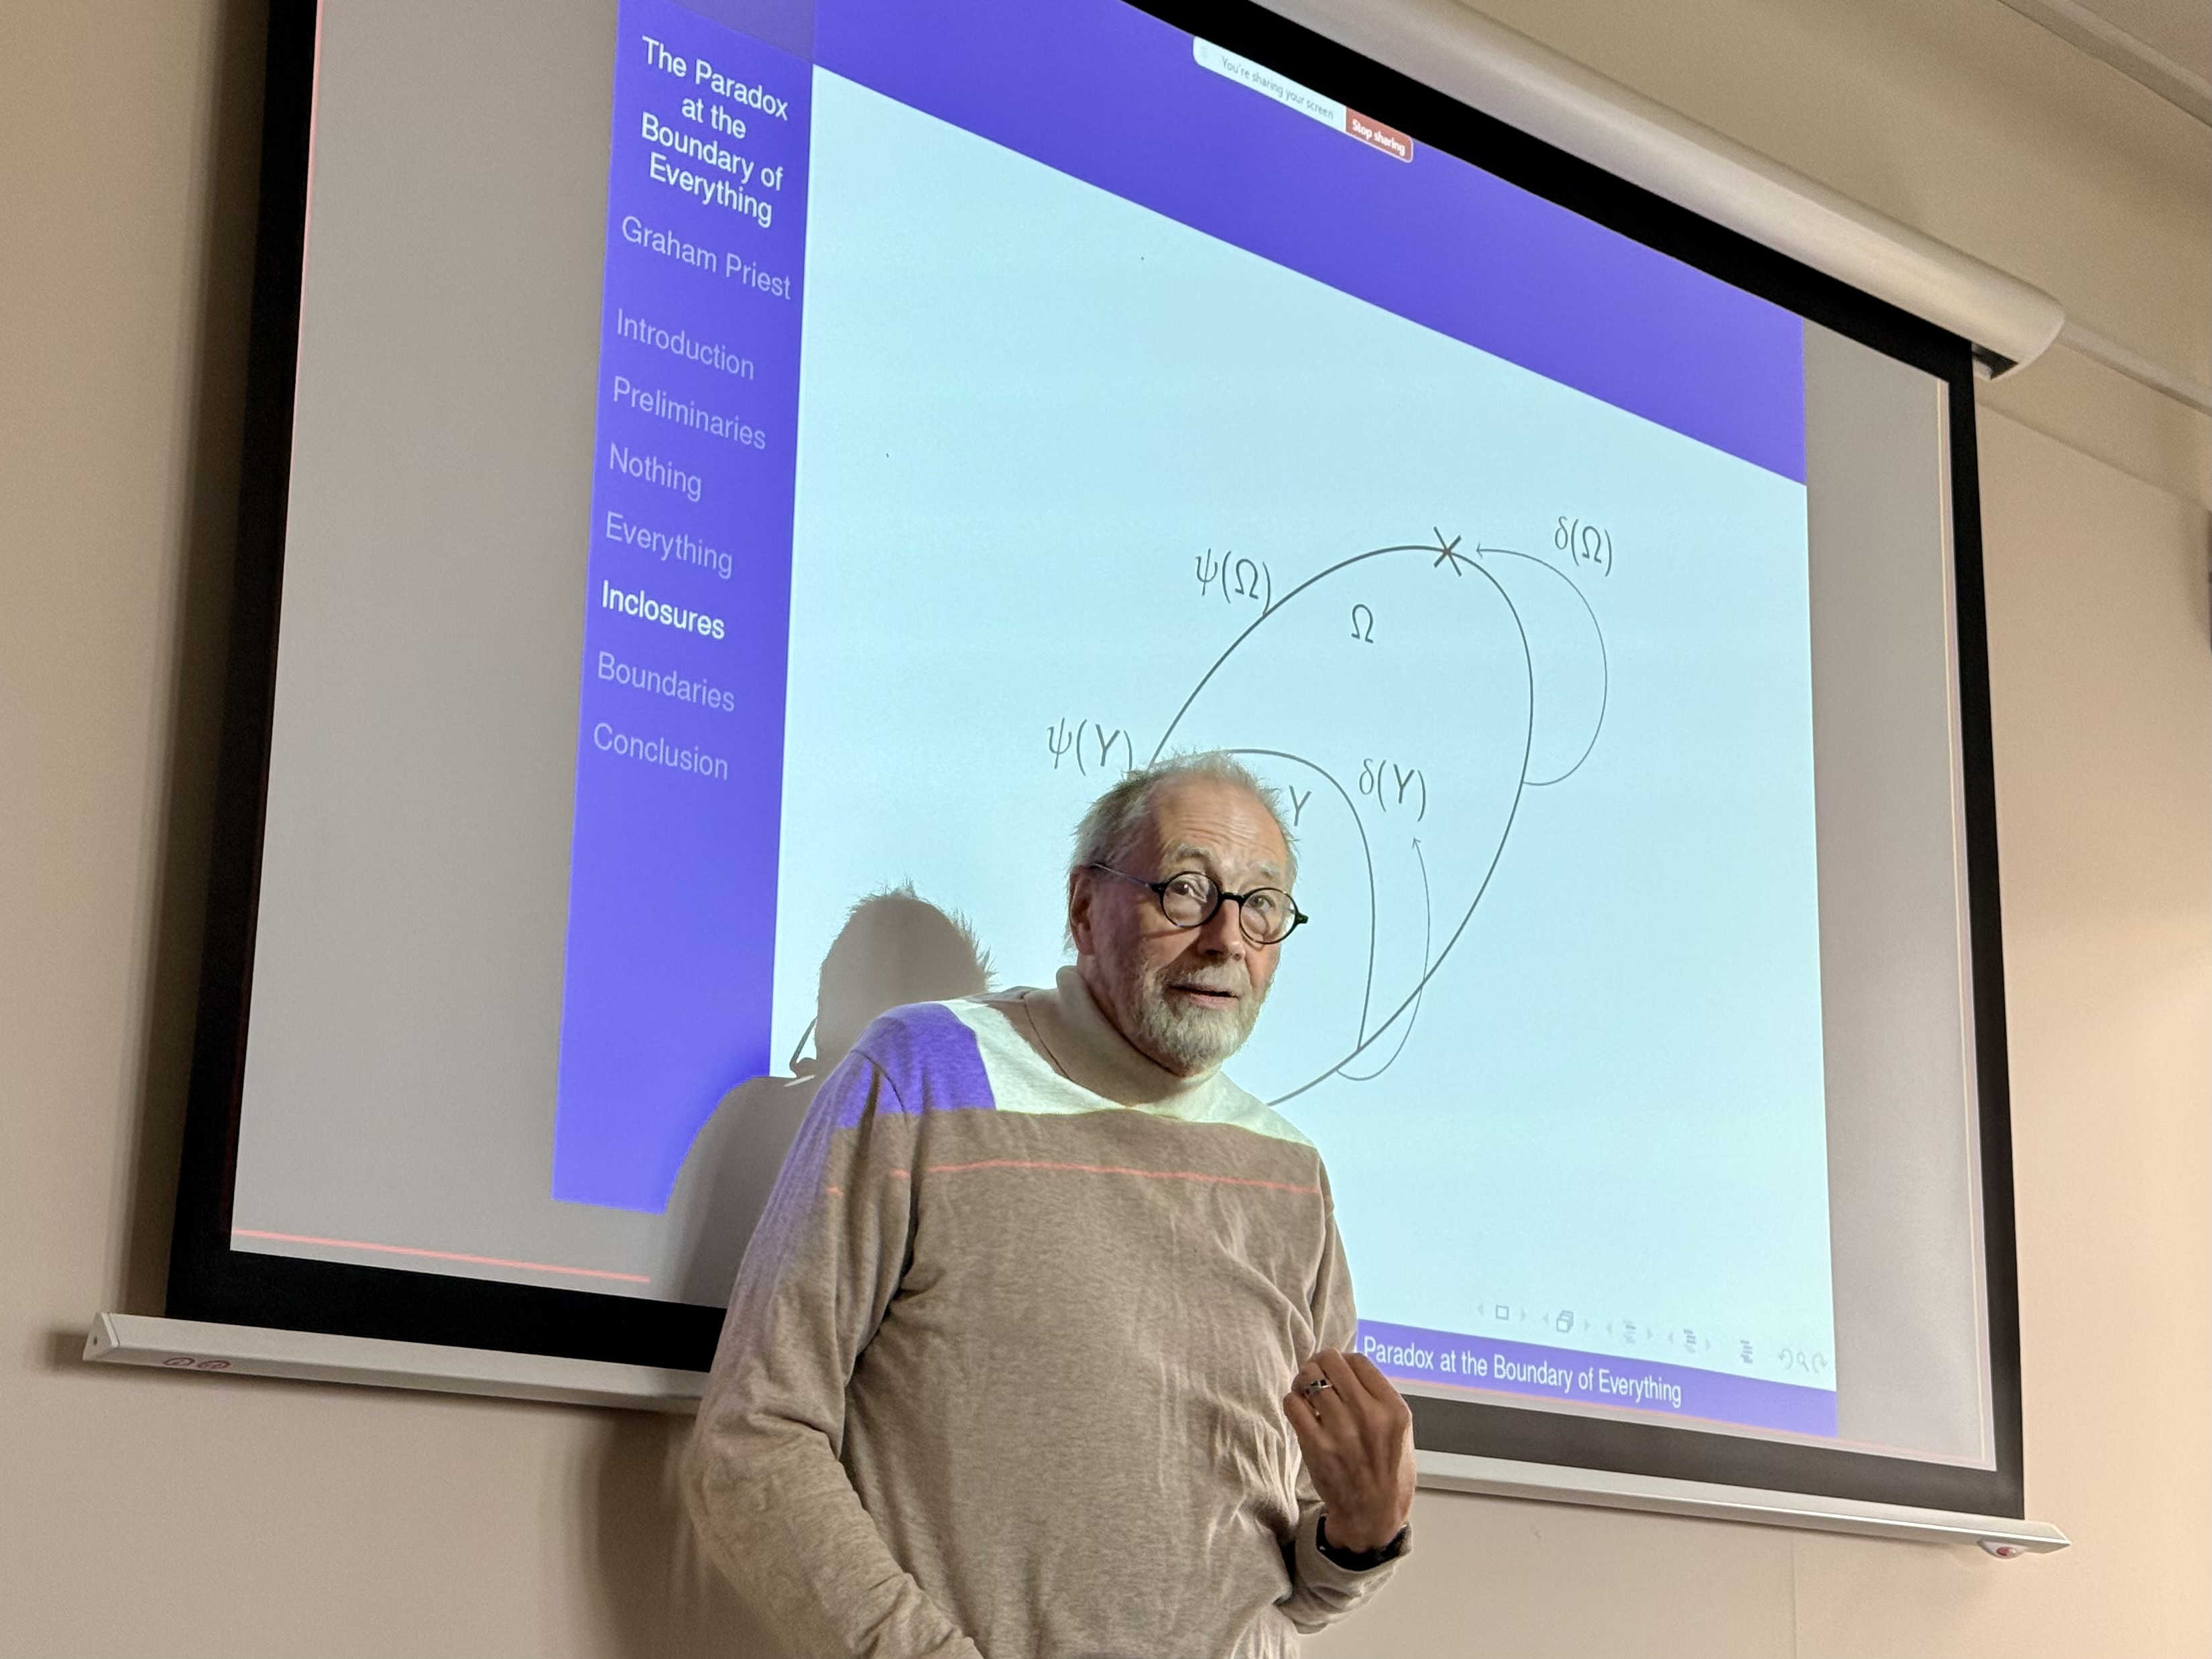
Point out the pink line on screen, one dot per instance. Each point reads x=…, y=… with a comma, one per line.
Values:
x=438, y=1255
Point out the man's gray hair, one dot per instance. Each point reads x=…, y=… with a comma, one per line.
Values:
x=1110, y=829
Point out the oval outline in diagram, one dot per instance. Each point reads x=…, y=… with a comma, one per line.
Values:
x=1444, y=556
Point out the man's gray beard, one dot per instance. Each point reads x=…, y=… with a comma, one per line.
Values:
x=1195, y=1039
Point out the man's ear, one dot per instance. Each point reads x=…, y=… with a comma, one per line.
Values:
x=1079, y=889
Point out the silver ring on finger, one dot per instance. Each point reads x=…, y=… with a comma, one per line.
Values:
x=1312, y=1390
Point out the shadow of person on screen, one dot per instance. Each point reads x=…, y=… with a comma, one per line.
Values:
x=895, y=947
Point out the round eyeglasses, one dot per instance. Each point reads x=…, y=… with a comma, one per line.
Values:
x=1266, y=915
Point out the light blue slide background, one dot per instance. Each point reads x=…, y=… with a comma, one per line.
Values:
x=1031, y=412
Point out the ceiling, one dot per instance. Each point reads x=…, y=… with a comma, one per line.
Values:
x=2166, y=45
x=2179, y=29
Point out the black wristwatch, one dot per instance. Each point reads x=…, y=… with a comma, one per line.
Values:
x=1356, y=1560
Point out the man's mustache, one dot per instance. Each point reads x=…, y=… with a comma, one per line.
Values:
x=1230, y=983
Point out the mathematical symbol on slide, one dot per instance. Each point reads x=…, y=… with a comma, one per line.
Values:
x=1446, y=551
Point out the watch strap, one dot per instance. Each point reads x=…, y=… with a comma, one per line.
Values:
x=1356, y=1560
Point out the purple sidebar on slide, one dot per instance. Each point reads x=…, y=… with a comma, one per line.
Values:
x=679, y=754
x=1110, y=95
x=1665, y=1388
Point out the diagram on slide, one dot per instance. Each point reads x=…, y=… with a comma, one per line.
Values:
x=1404, y=699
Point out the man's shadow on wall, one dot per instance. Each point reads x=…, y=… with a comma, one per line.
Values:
x=661, y=1598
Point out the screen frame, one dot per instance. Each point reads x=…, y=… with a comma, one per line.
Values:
x=211, y=1281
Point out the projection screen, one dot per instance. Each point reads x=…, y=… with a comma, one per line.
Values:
x=721, y=463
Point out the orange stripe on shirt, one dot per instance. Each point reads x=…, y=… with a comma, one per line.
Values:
x=1115, y=1168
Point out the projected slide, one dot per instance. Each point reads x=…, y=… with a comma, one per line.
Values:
x=961, y=445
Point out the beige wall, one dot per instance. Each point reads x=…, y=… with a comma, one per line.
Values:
x=143, y=1512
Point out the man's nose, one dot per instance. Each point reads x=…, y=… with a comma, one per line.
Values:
x=1222, y=933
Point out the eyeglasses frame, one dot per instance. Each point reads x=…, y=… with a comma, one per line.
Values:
x=1158, y=890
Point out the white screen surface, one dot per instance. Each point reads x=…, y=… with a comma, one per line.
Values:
x=1622, y=1038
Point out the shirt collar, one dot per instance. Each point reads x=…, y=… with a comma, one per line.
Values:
x=1091, y=1053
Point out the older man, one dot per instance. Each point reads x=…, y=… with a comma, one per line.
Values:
x=1005, y=1369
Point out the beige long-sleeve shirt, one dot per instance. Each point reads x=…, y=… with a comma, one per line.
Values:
x=1004, y=1366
